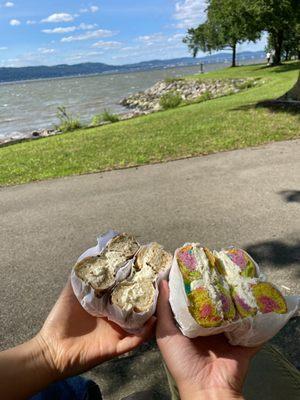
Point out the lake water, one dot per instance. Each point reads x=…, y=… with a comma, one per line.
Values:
x=32, y=105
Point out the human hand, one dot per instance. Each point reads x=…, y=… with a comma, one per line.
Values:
x=73, y=341
x=204, y=367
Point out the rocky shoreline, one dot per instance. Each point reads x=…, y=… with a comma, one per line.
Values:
x=190, y=90
x=148, y=101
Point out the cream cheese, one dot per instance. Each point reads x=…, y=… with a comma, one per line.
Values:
x=146, y=273
x=209, y=276
x=131, y=295
x=240, y=284
x=99, y=272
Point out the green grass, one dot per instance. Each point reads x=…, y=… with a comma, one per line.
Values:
x=220, y=124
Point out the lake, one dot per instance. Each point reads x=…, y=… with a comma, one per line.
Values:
x=32, y=105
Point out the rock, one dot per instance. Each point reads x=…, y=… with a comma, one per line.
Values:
x=190, y=90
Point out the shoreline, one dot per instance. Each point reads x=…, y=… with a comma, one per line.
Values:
x=149, y=101
x=129, y=111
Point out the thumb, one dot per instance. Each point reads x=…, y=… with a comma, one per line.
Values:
x=165, y=319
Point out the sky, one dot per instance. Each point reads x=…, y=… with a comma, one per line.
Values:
x=49, y=32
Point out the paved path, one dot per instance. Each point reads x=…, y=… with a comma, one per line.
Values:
x=250, y=198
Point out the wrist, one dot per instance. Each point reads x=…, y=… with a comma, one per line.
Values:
x=191, y=393
x=45, y=359
x=28, y=364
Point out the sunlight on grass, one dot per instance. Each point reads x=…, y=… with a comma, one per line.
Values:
x=225, y=123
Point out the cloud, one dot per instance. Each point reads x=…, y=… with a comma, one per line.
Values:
x=107, y=45
x=176, y=36
x=130, y=48
x=189, y=13
x=3, y=48
x=8, y=4
x=155, y=37
x=60, y=30
x=43, y=50
x=85, y=56
x=59, y=17
x=67, y=29
x=99, y=33
x=86, y=27
x=14, y=22
x=31, y=22
x=92, y=9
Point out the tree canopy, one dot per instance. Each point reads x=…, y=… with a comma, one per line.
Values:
x=230, y=22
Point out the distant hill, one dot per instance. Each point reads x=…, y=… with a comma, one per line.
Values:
x=9, y=74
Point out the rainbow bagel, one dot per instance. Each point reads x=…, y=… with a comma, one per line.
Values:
x=228, y=307
x=240, y=258
x=202, y=308
x=268, y=298
x=242, y=305
x=187, y=264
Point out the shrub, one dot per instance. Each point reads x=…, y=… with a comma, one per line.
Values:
x=204, y=96
x=67, y=122
x=170, y=100
x=245, y=85
x=106, y=116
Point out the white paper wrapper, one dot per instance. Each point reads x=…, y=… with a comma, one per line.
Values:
x=250, y=332
x=101, y=307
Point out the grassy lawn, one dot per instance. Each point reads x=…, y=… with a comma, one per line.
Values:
x=216, y=125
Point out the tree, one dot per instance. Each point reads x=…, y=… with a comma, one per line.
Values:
x=229, y=22
x=291, y=43
x=277, y=17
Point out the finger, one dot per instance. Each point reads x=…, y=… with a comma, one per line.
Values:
x=132, y=341
x=165, y=319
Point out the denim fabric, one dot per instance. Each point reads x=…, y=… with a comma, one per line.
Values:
x=76, y=388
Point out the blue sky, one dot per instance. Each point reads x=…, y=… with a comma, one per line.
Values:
x=116, y=32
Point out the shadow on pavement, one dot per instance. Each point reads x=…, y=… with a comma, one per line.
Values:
x=287, y=341
x=290, y=196
x=276, y=253
x=139, y=372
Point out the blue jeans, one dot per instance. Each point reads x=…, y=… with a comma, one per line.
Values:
x=76, y=388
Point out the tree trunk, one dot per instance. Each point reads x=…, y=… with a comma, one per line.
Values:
x=294, y=93
x=233, y=63
x=278, y=47
x=287, y=55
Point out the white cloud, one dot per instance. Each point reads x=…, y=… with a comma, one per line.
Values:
x=60, y=30
x=67, y=29
x=155, y=37
x=99, y=33
x=59, y=17
x=85, y=56
x=30, y=22
x=9, y=4
x=130, y=48
x=86, y=27
x=43, y=50
x=190, y=13
x=107, y=45
x=94, y=9
x=176, y=37
x=3, y=48
x=14, y=22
